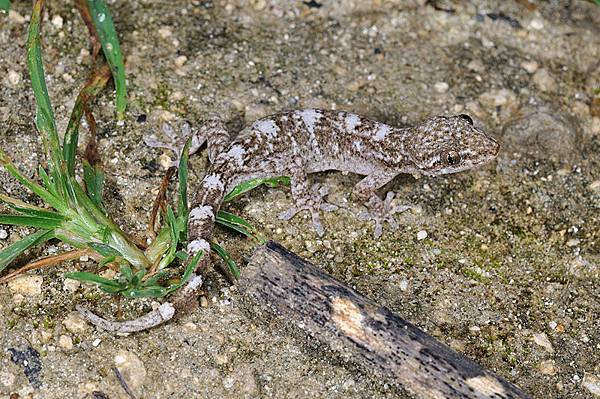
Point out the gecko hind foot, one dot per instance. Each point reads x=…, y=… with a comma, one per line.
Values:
x=313, y=203
x=381, y=211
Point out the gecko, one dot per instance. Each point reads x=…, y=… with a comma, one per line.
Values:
x=301, y=142
x=296, y=144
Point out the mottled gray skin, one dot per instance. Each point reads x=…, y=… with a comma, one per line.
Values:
x=297, y=143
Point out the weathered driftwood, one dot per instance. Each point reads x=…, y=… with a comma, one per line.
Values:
x=359, y=330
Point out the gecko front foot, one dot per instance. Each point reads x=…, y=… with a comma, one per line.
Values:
x=313, y=202
x=382, y=211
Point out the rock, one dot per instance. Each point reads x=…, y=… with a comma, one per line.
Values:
x=536, y=24
x=26, y=285
x=544, y=81
x=544, y=131
x=13, y=77
x=542, y=340
x=65, y=342
x=441, y=87
x=7, y=379
x=3, y=234
x=503, y=99
x=179, y=61
x=421, y=235
x=57, y=21
x=71, y=285
x=529, y=66
x=547, y=367
x=131, y=367
x=16, y=17
x=74, y=323
x=591, y=382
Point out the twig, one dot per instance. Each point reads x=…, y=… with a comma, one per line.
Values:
x=164, y=313
x=160, y=200
x=123, y=383
x=48, y=261
x=84, y=11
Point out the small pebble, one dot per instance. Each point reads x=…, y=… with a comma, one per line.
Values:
x=65, y=342
x=552, y=325
x=96, y=342
x=573, y=242
x=403, y=285
x=165, y=161
x=14, y=77
x=26, y=285
x=591, y=382
x=71, y=285
x=529, y=66
x=3, y=234
x=57, y=21
x=16, y=17
x=421, y=235
x=543, y=80
x=547, y=367
x=179, y=61
x=131, y=367
x=75, y=323
x=441, y=87
x=542, y=340
x=165, y=32
x=536, y=24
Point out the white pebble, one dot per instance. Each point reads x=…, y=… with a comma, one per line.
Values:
x=14, y=77
x=591, y=382
x=421, y=235
x=3, y=234
x=441, y=87
x=179, y=61
x=96, y=342
x=57, y=21
x=26, y=285
x=403, y=285
x=552, y=324
x=542, y=340
x=530, y=66
x=71, y=285
x=536, y=24
x=65, y=342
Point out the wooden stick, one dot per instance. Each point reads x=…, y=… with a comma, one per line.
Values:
x=359, y=330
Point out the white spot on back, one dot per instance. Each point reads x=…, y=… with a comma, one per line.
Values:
x=352, y=121
x=310, y=118
x=213, y=181
x=198, y=245
x=382, y=132
x=266, y=126
x=202, y=213
x=237, y=152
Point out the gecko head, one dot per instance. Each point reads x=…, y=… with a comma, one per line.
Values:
x=449, y=144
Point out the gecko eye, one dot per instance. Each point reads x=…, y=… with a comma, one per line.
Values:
x=467, y=118
x=452, y=158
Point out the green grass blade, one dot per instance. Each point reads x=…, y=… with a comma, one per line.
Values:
x=182, y=177
x=233, y=268
x=45, y=120
x=38, y=190
x=238, y=224
x=8, y=254
x=28, y=209
x=104, y=250
x=5, y=6
x=105, y=28
x=243, y=188
x=29, y=221
x=93, y=178
x=86, y=277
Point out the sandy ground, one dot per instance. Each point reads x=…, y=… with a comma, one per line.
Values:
x=507, y=274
